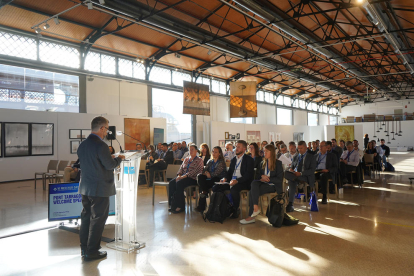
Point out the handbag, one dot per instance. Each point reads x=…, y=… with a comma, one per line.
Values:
x=314, y=203
x=276, y=210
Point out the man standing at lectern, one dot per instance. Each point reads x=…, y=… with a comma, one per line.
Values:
x=96, y=186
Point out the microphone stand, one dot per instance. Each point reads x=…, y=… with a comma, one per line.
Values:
x=145, y=147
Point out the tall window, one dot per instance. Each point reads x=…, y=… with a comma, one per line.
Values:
x=313, y=119
x=333, y=120
x=169, y=105
x=22, y=88
x=284, y=116
x=242, y=120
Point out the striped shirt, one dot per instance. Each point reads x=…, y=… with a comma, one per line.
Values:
x=192, y=167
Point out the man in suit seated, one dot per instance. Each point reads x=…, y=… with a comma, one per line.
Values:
x=240, y=175
x=326, y=167
x=314, y=150
x=335, y=147
x=302, y=169
x=348, y=162
x=162, y=163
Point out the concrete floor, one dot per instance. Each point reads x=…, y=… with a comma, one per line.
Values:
x=367, y=232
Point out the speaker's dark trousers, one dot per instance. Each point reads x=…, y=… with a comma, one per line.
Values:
x=93, y=217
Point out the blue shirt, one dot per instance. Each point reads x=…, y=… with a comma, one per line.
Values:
x=177, y=154
x=321, y=161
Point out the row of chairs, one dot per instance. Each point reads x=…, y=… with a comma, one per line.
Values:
x=54, y=172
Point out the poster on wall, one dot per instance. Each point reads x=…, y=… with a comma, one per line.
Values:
x=158, y=135
x=196, y=99
x=138, y=129
x=243, y=99
x=345, y=133
x=298, y=136
x=42, y=139
x=16, y=139
x=253, y=137
x=222, y=144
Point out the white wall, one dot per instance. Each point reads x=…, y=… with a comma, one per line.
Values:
x=17, y=168
x=381, y=108
x=266, y=114
x=300, y=117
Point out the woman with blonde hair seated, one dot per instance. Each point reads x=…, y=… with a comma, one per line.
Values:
x=271, y=178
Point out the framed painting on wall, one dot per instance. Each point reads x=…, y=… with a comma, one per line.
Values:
x=74, y=133
x=253, y=137
x=222, y=143
x=297, y=137
x=85, y=133
x=16, y=139
x=158, y=135
x=345, y=133
x=74, y=145
x=138, y=129
x=42, y=139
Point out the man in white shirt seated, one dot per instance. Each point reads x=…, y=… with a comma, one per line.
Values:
x=348, y=162
x=229, y=153
x=292, y=151
x=283, y=150
x=360, y=151
x=176, y=152
x=380, y=152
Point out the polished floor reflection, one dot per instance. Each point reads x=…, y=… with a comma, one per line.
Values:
x=367, y=232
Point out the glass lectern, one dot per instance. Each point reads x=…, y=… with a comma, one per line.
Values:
x=126, y=183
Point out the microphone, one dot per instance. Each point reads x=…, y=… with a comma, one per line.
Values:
x=120, y=133
x=121, y=151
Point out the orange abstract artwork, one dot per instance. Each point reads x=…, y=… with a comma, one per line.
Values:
x=345, y=133
x=137, y=128
x=243, y=99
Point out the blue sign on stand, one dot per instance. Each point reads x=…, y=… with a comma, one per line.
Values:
x=129, y=170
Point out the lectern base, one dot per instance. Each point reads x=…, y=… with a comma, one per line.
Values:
x=126, y=247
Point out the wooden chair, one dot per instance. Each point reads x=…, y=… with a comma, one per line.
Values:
x=369, y=162
x=189, y=194
x=328, y=193
x=305, y=189
x=60, y=170
x=170, y=173
x=52, y=166
x=242, y=193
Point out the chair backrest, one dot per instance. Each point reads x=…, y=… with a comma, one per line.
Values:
x=52, y=166
x=62, y=165
x=143, y=165
x=369, y=158
x=228, y=163
x=172, y=171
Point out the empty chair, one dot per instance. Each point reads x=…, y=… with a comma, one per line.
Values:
x=142, y=170
x=170, y=173
x=59, y=173
x=369, y=162
x=52, y=166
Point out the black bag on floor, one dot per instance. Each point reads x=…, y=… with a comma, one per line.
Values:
x=288, y=220
x=276, y=210
x=219, y=209
x=389, y=167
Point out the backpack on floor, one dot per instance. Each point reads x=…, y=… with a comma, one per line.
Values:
x=389, y=168
x=219, y=209
x=276, y=210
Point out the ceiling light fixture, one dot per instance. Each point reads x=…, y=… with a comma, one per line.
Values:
x=102, y=2
x=38, y=30
x=46, y=26
x=177, y=55
x=90, y=5
x=56, y=19
x=209, y=52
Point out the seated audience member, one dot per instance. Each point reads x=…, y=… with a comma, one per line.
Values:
x=186, y=176
x=240, y=175
x=386, y=151
x=254, y=153
x=283, y=150
x=205, y=153
x=176, y=152
x=270, y=181
x=138, y=147
x=214, y=170
x=159, y=149
x=317, y=145
x=309, y=146
x=186, y=154
x=72, y=173
x=264, y=143
x=336, y=148
x=372, y=150
x=180, y=146
x=166, y=158
x=348, y=162
x=272, y=143
x=152, y=154
x=302, y=169
x=355, y=144
x=184, y=147
x=385, y=148
x=342, y=145
x=380, y=152
x=313, y=151
x=292, y=151
x=326, y=167
x=330, y=149
x=229, y=153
